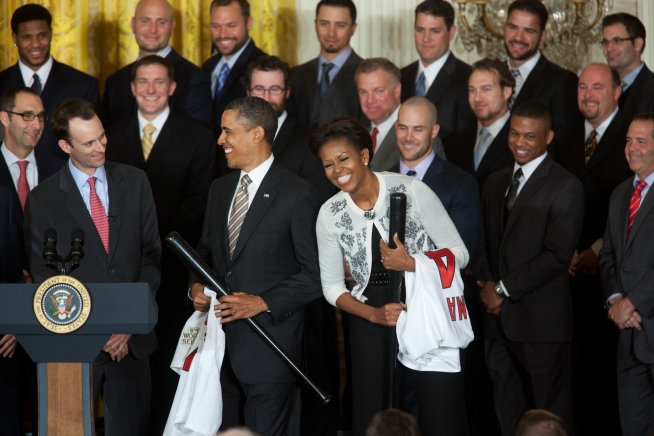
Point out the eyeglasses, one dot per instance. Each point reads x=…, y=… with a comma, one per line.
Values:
x=29, y=116
x=614, y=41
x=260, y=90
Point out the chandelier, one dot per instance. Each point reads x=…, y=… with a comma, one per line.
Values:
x=573, y=26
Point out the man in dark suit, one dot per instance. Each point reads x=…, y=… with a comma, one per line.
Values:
x=31, y=27
x=179, y=157
x=623, y=43
x=323, y=88
x=262, y=215
x=438, y=75
x=532, y=214
x=230, y=24
x=483, y=151
x=113, y=205
x=152, y=24
x=625, y=268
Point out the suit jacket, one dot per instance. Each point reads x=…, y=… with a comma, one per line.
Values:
x=11, y=270
x=388, y=156
x=639, y=97
x=626, y=268
x=191, y=99
x=276, y=257
x=459, y=194
x=64, y=82
x=180, y=169
x=134, y=246
x=532, y=254
x=448, y=92
x=340, y=98
x=460, y=150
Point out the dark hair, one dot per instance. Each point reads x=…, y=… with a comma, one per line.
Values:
x=534, y=7
x=498, y=67
x=253, y=112
x=267, y=63
x=345, y=128
x=539, y=421
x=393, y=422
x=8, y=99
x=339, y=4
x=69, y=109
x=437, y=8
x=646, y=117
x=635, y=27
x=371, y=65
x=536, y=111
x=30, y=12
x=154, y=60
x=244, y=4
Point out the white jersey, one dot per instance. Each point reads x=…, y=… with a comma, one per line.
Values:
x=435, y=325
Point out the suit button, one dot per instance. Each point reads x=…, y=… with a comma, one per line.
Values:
x=111, y=271
x=229, y=273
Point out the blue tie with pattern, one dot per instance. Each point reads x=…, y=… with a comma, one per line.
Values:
x=324, y=80
x=224, y=72
x=421, y=86
x=36, y=85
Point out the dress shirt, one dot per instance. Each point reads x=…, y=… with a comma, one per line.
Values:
x=163, y=53
x=525, y=69
x=338, y=62
x=631, y=77
x=82, y=182
x=230, y=63
x=601, y=128
x=494, y=129
x=385, y=126
x=158, y=123
x=280, y=121
x=420, y=169
x=256, y=175
x=31, y=172
x=432, y=70
x=28, y=73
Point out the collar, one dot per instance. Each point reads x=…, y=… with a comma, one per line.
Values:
x=529, y=168
x=236, y=55
x=631, y=77
x=43, y=72
x=649, y=180
x=495, y=128
x=338, y=61
x=421, y=168
x=82, y=178
x=162, y=53
x=257, y=174
x=158, y=122
x=432, y=70
x=526, y=68
x=280, y=121
x=11, y=158
x=387, y=124
x=601, y=128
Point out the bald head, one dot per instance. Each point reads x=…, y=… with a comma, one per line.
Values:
x=423, y=105
x=415, y=130
x=153, y=24
x=598, y=93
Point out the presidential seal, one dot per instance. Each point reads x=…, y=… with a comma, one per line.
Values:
x=62, y=304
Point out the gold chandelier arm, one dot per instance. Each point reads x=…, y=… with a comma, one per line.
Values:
x=488, y=25
x=598, y=15
x=464, y=19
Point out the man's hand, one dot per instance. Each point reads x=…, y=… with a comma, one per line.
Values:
x=239, y=305
x=573, y=264
x=117, y=346
x=8, y=345
x=489, y=297
x=634, y=322
x=588, y=262
x=200, y=301
x=621, y=311
x=28, y=278
x=396, y=259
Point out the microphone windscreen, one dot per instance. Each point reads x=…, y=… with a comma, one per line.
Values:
x=50, y=234
x=77, y=234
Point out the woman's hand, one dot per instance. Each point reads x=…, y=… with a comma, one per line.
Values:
x=387, y=314
x=396, y=259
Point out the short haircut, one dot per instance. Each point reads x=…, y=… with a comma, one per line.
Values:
x=646, y=117
x=253, y=112
x=437, y=8
x=8, y=99
x=154, y=60
x=498, y=67
x=422, y=102
x=349, y=4
x=635, y=27
x=615, y=77
x=373, y=64
x=69, y=109
x=393, y=422
x=539, y=422
x=536, y=111
x=267, y=63
x=534, y=7
x=345, y=128
x=244, y=4
x=30, y=12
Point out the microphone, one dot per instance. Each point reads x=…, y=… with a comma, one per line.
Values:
x=76, y=248
x=50, y=248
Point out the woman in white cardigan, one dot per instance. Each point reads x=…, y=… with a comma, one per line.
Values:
x=352, y=227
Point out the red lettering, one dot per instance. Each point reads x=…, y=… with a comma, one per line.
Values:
x=451, y=305
x=446, y=272
x=189, y=360
x=463, y=310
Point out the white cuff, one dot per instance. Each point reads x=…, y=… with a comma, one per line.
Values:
x=504, y=289
x=597, y=246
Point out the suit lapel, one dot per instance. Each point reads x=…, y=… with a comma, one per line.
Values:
x=409, y=81
x=284, y=135
x=344, y=75
x=5, y=177
x=643, y=211
x=168, y=136
x=16, y=78
x=609, y=140
x=116, y=206
x=434, y=175
x=440, y=84
x=224, y=203
x=532, y=81
x=133, y=143
x=385, y=148
x=495, y=150
x=497, y=198
x=55, y=84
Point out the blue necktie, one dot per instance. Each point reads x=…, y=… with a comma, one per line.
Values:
x=324, y=80
x=224, y=72
x=36, y=85
x=411, y=173
x=421, y=86
x=482, y=146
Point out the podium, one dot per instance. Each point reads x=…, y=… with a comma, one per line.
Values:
x=65, y=360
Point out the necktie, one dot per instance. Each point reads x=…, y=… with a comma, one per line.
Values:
x=239, y=210
x=324, y=80
x=512, y=194
x=36, y=85
x=23, y=187
x=411, y=173
x=591, y=144
x=222, y=77
x=373, y=134
x=634, y=205
x=147, y=143
x=518, y=84
x=482, y=146
x=99, y=215
x=623, y=85
x=421, y=86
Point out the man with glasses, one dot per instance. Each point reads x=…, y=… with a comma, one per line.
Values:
x=623, y=43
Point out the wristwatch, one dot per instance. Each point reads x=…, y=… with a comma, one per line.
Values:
x=498, y=290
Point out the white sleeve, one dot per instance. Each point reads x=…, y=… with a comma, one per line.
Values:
x=332, y=273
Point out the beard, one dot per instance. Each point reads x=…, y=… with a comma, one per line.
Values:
x=523, y=57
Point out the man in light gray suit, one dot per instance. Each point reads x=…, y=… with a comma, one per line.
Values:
x=627, y=279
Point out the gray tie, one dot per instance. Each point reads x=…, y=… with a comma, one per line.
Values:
x=518, y=84
x=482, y=146
x=239, y=210
x=324, y=80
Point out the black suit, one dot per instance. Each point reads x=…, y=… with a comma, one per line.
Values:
x=639, y=97
x=134, y=253
x=527, y=348
x=191, y=99
x=448, y=92
x=63, y=82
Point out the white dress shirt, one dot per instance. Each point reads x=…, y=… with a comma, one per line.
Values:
x=216, y=70
x=256, y=175
x=31, y=171
x=158, y=123
x=101, y=187
x=601, y=128
x=280, y=121
x=28, y=73
x=385, y=126
x=432, y=70
x=420, y=169
x=525, y=69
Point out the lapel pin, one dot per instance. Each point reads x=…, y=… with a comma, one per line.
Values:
x=266, y=195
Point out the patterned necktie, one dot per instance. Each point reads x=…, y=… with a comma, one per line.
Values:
x=634, y=204
x=591, y=144
x=36, y=85
x=239, y=210
x=222, y=77
x=481, y=147
x=147, y=143
x=421, y=86
x=512, y=194
x=373, y=134
x=411, y=173
x=99, y=215
x=23, y=187
x=518, y=83
x=324, y=80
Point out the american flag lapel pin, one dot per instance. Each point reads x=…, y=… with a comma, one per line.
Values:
x=266, y=195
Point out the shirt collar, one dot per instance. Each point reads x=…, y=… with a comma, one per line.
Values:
x=280, y=121
x=257, y=174
x=631, y=77
x=601, y=128
x=529, y=168
x=526, y=68
x=649, y=180
x=386, y=125
x=43, y=72
x=162, y=53
x=432, y=70
x=421, y=168
x=82, y=178
x=11, y=158
x=236, y=55
x=158, y=122
x=338, y=61
x=495, y=128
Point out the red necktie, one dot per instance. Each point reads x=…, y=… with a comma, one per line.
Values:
x=634, y=205
x=23, y=186
x=99, y=215
x=374, y=139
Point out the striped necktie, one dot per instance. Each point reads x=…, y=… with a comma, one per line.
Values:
x=239, y=210
x=147, y=143
x=325, y=81
x=634, y=204
x=99, y=215
x=421, y=86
